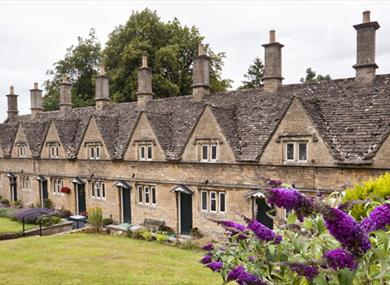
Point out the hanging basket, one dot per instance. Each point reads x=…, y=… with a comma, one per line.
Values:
x=65, y=190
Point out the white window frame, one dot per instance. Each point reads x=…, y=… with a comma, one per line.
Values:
x=296, y=151
x=26, y=183
x=54, y=151
x=22, y=150
x=201, y=201
x=211, y=152
x=219, y=202
x=94, y=151
x=216, y=201
x=98, y=186
x=204, y=145
x=143, y=152
x=143, y=191
x=56, y=185
x=286, y=151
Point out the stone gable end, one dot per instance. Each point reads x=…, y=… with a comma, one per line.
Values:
x=20, y=138
x=52, y=137
x=143, y=133
x=92, y=135
x=295, y=125
x=382, y=157
x=207, y=129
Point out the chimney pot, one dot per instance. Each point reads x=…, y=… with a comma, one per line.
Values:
x=145, y=91
x=365, y=56
x=11, y=90
x=36, y=100
x=200, y=74
x=366, y=16
x=272, y=64
x=12, y=102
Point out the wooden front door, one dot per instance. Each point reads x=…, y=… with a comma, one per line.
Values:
x=263, y=210
x=185, y=213
x=126, y=207
x=80, y=192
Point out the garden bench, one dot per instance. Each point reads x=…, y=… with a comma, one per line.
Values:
x=153, y=225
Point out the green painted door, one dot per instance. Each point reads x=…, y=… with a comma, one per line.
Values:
x=126, y=205
x=263, y=210
x=185, y=213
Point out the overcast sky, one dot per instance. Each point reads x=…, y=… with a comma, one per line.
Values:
x=33, y=35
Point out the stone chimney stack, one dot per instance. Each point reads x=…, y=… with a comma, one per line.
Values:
x=144, y=92
x=200, y=74
x=365, y=56
x=65, y=95
x=36, y=100
x=272, y=64
x=12, y=99
x=102, y=93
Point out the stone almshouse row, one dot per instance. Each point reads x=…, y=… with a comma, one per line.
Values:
x=185, y=160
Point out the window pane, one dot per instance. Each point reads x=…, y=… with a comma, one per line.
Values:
x=290, y=151
x=214, y=152
x=140, y=194
x=142, y=152
x=222, y=202
x=97, y=152
x=150, y=152
x=153, y=195
x=303, y=151
x=213, y=201
x=93, y=189
x=205, y=152
x=147, y=195
x=103, y=190
x=92, y=152
x=204, y=200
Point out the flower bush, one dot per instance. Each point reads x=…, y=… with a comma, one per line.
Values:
x=318, y=244
x=65, y=190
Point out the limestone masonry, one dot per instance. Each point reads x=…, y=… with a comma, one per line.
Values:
x=188, y=159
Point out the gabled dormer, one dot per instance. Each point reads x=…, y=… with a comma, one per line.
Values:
x=52, y=147
x=296, y=140
x=143, y=144
x=382, y=156
x=20, y=148
x=207, y=143
x=92, y=146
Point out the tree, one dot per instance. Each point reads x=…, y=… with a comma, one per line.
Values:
x=254, y=76
x=170, y=48
x=311, y=77
x=80, y=64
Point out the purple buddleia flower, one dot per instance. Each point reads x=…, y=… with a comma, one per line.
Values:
x=251, y=258
x=234, y=228
x=340, y=259
x=291, y=199
x=378, y=219
x=208, y=247
x=275, y=183
x=215, y=265
x=347, y=231
x=308, y=271
x=243, y=277
x=206, y=259
x=262, y=232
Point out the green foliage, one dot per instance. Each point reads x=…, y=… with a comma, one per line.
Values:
x=142, y=233
x=48, y=204
x=17, y=204
x=48, y=220
x=375, y=189
x=5, y=202
x=170, y=48
x=107, y=221
x=254, y=76
x=95, y=218
x=80, y=64
x=196, y=233
x=7, y=212
x=188, y=245
x=162, y=237
x=311, y=76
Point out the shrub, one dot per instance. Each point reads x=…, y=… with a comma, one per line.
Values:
x=107, y=221
x=374, y=189
x=327, y=247
x=48, y=204
x=31, y=214
x=7, y=212
x=168, y=230
x=65, y=213
x=48, y=220
x=5, y=202
x=17, y=204
x=95, y=218
x=195, y=233
x=162, y=237
x=142, y=233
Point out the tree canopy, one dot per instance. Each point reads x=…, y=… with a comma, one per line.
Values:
x=312, y=76
x=170, y=48
x=254, y=76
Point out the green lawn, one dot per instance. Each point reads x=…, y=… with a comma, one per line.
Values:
x=9, y=226
x=97, y=259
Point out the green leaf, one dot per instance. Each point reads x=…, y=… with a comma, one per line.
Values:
x=292, y=218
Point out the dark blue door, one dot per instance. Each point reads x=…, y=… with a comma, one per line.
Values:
x=263, y=210
x=82, y=207
x=185, y=213
x=126, y=205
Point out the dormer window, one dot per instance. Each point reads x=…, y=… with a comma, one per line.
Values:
x=208, y=152
x=296, y=151
x=53, y=150
x=22, y=150
x=145, y=151
x=93, y=150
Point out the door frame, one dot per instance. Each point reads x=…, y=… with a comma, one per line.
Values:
x=121, y=189
x=178, y=200
x=41, y=179
x=76, y=186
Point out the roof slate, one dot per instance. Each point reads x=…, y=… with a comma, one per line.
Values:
x=352, y=119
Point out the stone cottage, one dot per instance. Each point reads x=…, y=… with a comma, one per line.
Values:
x=188, y=159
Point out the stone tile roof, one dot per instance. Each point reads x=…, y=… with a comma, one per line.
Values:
x=7, y=138
x=352, y=119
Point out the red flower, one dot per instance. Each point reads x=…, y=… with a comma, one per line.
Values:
x=65, y=190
